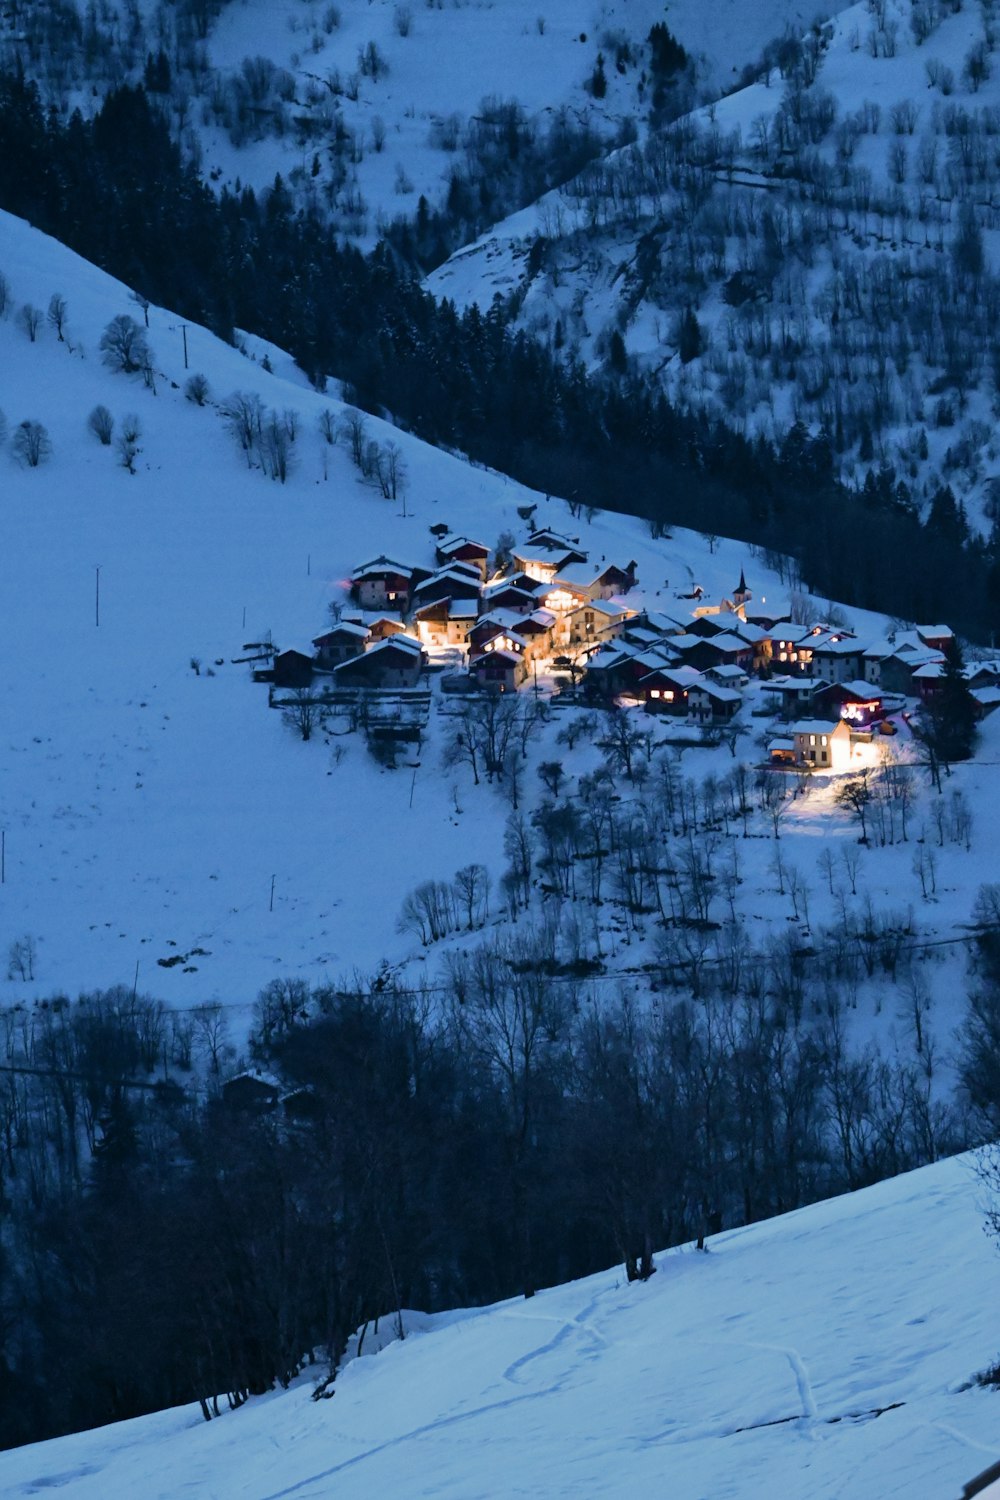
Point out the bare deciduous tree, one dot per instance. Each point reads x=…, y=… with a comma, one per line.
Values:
x=102, y=424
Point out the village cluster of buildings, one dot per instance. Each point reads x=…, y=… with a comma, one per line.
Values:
x=551, y=600
x=551, y=605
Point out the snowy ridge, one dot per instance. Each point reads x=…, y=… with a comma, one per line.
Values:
x=828, y=1353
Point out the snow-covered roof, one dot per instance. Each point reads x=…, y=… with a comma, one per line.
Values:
x=860, y=688
x=814, y=726
x=462, y=609
x=378, y=565
x=503, y=619
x=727, y=670
x=718, y=694
x=344, y=627
x=501, y=652
x=682, y=677
x=780, y=742
x=465, y=578
x=796, y=685
x=586, y=574
x=840, y=647
x=454, y=543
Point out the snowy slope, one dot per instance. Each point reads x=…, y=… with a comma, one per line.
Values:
x=146, y=809
x=757, y=1370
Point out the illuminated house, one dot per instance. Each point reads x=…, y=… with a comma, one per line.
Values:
x=709, y=703
x=545, y=553
x=597, y=580
x=820, y=746
x=445, y=622
x=666, y=689
x=499, y=669
x=394, y=663
x=383, y=581
x=857, y=702
x=597, y=620
x=340, y=642
x=461, y=549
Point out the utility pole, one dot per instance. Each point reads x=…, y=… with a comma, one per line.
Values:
x=3, y=856
x=184, y=335
x=97, y=594
x=273, y=879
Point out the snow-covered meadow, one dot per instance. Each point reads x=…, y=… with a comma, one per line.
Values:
x=828, y=1353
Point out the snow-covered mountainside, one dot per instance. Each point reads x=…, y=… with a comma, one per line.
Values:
x=364, y=105
x=147, y=805
x=819, y=246
x=163, y=828
x=828, y=1353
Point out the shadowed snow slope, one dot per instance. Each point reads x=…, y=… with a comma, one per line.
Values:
x=823, y=1354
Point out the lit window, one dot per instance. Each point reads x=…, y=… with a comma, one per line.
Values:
x=812, y=739
x=822, y=739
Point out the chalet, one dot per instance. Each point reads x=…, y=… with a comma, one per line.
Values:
x=499, y=626
x=707, y=623
x=896, y=672
x=758, y=640
x=455, y=582
x=767, y=619
x=857, y=702
x=661, y=622
x=597, y=580
x=340, y=642
x=383, y=581
x=445, y=622
x=292, y=669
x=837, y=657
x=728, y=676
x=666, y=689
x=820, y=746
x=461, y=549
x=499, y=669
x=561, y=596
x=709, y=703
x=251, y=1091
x=545, y=553
x=597, y=620
x=509, y=595
x=379, y=626
x=987, y=700
x=722, y=650
x=620, y=669
x=395, y=663
x=536, y=631
x=936, y=637
x=790, y=646
x=796, y=693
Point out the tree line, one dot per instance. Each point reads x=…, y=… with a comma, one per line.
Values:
x=497, y=1131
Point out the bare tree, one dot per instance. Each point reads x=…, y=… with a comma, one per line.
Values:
x=303, y=714
x=31, y=444
x=128, y=441
x=58, y=315
x=30, y=319
x=102, y=424
x=243, y=414
x=124, y=346
x=196, y=389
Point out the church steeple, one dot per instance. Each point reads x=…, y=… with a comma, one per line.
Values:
x=742, y=594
